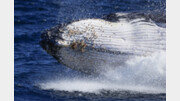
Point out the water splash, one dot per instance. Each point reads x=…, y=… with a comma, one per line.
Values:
x=140, y=74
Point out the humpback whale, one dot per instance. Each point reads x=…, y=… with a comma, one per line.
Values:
x=95, y=45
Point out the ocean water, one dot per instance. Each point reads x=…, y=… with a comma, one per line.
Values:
x=39, y=77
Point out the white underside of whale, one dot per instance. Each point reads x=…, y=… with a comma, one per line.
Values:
x=135, y=37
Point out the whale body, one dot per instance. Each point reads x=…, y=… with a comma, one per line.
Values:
x=95, y=45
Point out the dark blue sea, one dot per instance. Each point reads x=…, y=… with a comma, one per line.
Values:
x=39, y=77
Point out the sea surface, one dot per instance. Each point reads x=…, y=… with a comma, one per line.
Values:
x=39, y=77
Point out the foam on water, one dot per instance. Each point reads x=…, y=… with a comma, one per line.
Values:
x=142, y=74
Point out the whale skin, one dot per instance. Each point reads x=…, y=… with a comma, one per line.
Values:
x=96, y=45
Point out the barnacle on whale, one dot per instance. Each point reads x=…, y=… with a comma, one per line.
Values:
x=74, y=45
x=79, y=45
